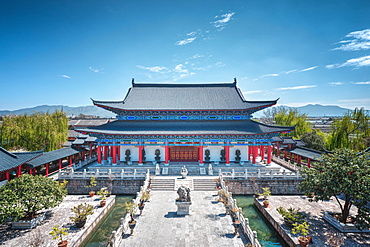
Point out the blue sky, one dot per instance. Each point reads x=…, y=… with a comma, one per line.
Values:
x=66, y=52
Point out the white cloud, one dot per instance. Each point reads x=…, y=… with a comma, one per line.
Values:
x=221, y=23
x=297, y=87
x=360, y=40
x=65, y=76
x=354, y=62
x=362, y=83
x=95, y=70
x=185, y=41
x=157, y=69
x=195, y=56
x=353, y=103
x=220, y=64
x=251, y=92
x=335, y=83
x=308, y=69
x=180, y=68
x=290, y=71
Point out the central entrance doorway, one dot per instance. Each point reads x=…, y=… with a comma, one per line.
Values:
x=184, y=153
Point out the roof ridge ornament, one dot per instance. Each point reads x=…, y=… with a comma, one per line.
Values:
x=133, y=82
x=235, y=81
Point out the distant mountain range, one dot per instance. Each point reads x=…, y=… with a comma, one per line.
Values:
x=310, y=110
x=70, y=111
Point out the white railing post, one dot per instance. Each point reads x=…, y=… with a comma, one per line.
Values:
x=84, y=173
x=255, y=240
x=284, y=173
x=134, y=173
x=232, y=173
x=297, y=173
x=122, y=173
x=259, y=173
x=97, y=173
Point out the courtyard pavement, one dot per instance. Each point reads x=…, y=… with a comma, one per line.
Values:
x=206, y=225
x=319, y=230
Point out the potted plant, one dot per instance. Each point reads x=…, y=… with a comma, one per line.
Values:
x=236, y=225
x=130, y=207
x=103, y=192
x=302, y=228
x=92, y=184
x=81, y=211
x=218, y=183
x=266, y=193
x=58, y=233
x=291, y=215
x=234, y=212
x=223, y=196
x=145, y=196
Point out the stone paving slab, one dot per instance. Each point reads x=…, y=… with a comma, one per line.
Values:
x=206, y=225
x=319, y=228
x=55, y=216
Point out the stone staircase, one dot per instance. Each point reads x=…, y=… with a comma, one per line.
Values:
x=162, y=184
x=204, y=184
x=171, y=184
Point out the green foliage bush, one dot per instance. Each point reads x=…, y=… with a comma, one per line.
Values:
x=22, y=197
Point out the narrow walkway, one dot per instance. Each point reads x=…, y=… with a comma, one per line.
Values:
x=206, y=225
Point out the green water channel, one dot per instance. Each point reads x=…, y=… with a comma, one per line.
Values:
x=100, y=235
x=266, y=234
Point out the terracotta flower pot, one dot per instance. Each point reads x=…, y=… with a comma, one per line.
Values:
x=103, y=203
x=63, y=243
x=304, y=241
x=266, y=204
x=92, y=193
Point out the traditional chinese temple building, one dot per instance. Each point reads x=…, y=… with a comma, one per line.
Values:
x=184, y=123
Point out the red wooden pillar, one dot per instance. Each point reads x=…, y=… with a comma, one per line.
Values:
x=114, y=153
x=141, y=154
x=30, y=171
x=285, y=154
x=278, y=149
x=119, y=152
x=70, y=160
x=106, y=152
x=166, y=154
x=254, y=155
x=200, y=155
x=98, y=153
x=7, y=176
x=227, y=154
x=269, y=154
x=60, y=164
x=19, y=170
x=249, y=152
x=262, y=148
x=309, y=162
x=46, y=169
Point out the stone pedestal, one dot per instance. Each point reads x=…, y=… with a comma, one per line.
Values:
x=182, y=208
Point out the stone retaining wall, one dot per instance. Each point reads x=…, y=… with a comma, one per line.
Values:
x=288, y=240
x=119, y=186
x=78, y=239
x=251, y=186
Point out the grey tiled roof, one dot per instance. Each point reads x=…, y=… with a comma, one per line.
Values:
x=10, y=160
x=288, y=140
x=52, y=156
x=89, y=122
x=219, y=96
x=78, y=141
x=307, y=152
x=176, y=127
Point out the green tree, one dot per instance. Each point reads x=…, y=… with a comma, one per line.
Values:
x=22, y=197
x=351, y=131
x=343, y=173
x=34, y=132
x=292, y=117
x=314, y=139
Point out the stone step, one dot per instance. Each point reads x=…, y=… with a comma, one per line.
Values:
x=204, y=185
x=162, y=184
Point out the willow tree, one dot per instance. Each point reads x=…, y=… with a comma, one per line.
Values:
x=292, y=117
x=351, y=131
x=342, y=174
x=34, y=132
